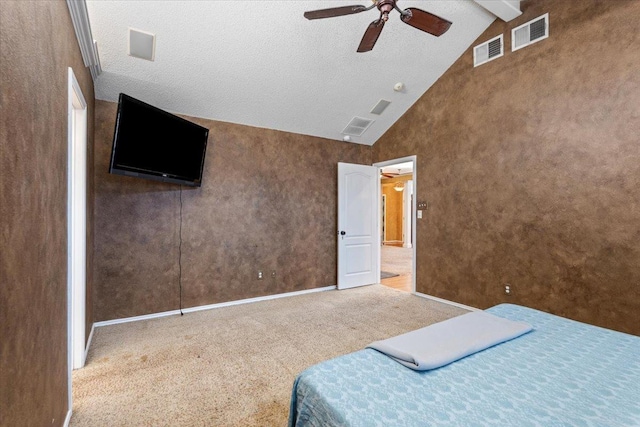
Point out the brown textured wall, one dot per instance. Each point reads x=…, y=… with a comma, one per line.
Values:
x=531, y=165
x=37, y=44
x=268, y=202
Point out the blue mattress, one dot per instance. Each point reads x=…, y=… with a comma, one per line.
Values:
x=564, y=373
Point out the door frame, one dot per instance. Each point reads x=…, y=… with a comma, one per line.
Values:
x=414, y=204
x=76, y=227
x=383, y=216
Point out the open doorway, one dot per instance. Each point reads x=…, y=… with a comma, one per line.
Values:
x=397, y=223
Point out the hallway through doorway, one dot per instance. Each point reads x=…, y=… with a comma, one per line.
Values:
x=398, y=261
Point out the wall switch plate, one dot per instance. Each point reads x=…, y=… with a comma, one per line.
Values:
x=507, y=289
x=260, y=275
x=419, y=214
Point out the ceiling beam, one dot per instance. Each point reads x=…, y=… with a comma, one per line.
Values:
x=503, y=9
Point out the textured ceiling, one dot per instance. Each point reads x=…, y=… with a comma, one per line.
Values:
x=399, y=168
x=261, y=63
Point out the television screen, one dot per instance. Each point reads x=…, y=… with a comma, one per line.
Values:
x=151, y=143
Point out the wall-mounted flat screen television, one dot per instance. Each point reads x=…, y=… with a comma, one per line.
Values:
x=154, y=144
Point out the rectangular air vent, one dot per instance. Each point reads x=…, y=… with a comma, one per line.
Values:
x=529, y=33
x=488, y=51
x=357, y=126
x=380, y=107
x=142, y=44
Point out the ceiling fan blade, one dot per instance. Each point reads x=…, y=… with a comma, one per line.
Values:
x=334, y=11
x=425, y=21
x=371, y=35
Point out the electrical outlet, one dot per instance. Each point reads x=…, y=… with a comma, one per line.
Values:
x=507, y=289
x=273, y=274
x=260, y=275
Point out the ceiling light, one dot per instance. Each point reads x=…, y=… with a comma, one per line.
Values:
x=399, y=186
x=398, y=87
x=346, y=138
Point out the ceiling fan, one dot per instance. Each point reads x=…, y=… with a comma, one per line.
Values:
x=389, y=174
x=417, y=18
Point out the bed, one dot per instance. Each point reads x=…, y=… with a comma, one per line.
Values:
x=563, y=373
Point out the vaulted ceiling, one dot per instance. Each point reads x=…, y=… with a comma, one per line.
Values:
x=261, y=63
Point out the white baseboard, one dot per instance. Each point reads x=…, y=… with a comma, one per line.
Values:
x=446, y=301
x=86, y=349
x=209, y=307
x=67, y=419
x=136, y=318
x=257, y=299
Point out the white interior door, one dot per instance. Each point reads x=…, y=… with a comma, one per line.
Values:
x=358, y=246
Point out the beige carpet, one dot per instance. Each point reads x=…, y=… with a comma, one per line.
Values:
x=233, y=366
x=396, y=260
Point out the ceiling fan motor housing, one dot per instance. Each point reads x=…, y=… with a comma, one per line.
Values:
x=386, y=6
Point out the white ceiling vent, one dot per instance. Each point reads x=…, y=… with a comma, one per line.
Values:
x=142, y=44
x=380, y=106
x=488, y=51
x=357, y=126
x=531, y=32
